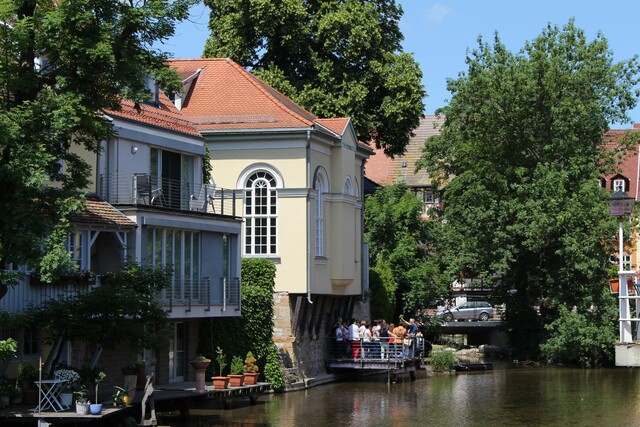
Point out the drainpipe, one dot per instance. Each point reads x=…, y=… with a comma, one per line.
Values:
x=364, y=266
x=309, y=185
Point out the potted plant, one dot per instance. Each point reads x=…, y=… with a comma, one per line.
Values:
x=5, y=393
x=236, y=372
x=220, y=382
x=251, y=370
x=70, y=377
x=130, y=380
x=96, y=408
x=200, y=362
x=82, y=400
x=122, y=396
x=16, y=394
x=27, y=375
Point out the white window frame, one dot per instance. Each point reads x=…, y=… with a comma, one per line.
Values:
x=261, y=214
x=320, y=185
x=76, y=243
x=618, y=185
x=180, y=249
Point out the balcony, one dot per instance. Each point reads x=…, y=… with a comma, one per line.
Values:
x=202, y=296
x=143, y=189
x=201, y=293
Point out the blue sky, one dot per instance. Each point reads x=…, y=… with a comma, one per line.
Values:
x=439, y=33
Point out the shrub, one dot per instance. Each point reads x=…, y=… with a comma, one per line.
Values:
x=237, y=366
x=585, y=339
x=443, y=360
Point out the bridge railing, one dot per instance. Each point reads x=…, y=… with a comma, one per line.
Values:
x=377, y=349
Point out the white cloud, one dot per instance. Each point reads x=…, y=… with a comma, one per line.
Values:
x=438, y=12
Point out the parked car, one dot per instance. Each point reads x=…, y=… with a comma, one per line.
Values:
x=480, y=310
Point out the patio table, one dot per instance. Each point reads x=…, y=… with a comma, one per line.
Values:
x=50, y=395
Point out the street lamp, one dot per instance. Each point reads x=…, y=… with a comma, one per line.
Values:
x=620, y=205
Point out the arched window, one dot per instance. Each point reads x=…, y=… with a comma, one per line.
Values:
x=320, y=186
x=261, y=214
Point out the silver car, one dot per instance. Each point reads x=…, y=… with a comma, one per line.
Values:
x=480, y=310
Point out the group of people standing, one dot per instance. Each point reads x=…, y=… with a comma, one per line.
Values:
x=376, y=339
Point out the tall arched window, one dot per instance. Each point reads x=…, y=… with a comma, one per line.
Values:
x=260, y=212
x=320, y=186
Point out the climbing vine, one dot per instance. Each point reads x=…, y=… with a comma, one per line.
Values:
x=253, y=331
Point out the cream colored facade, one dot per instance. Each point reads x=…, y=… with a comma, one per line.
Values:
x=295, y=159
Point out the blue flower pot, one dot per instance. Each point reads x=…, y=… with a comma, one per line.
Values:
x=95, y=408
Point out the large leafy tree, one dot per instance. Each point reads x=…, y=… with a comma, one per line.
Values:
x=405, y=272
x=523, y=144
x=61, y=63
x=335, y=58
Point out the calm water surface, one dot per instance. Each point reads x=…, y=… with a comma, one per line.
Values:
x=504, y=397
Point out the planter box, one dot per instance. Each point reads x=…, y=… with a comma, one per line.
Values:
x=614, y=286
x=236, y=380
x=251, y=378
x=220, y=383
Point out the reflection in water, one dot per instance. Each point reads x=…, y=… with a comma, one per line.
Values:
x=520, y=396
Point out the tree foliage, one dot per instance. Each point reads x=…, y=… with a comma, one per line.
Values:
x=61, y=63
x=402, y=250
x=127, y=297
x=523, y=144
x=335, y=58
x=583, y=338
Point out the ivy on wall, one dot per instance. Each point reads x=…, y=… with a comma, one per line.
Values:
x=253, y=331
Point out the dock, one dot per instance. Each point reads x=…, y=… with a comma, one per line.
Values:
x=252, y=392
x=167, y=398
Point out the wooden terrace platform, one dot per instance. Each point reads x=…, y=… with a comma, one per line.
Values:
x=167, y=398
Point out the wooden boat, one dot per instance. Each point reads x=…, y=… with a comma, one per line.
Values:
x=474, y=367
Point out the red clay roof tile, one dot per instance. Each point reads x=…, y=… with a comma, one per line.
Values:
x=165, y=116
x=101, y=214
x=225, y=96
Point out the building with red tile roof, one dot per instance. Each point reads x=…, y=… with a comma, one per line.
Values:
x=301, y=181
x=385, y=170
x=148, y=204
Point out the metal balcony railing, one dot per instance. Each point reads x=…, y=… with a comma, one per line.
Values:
x=143, y=189
x=191, y=293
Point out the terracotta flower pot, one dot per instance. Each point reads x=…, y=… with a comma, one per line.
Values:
x=614, y=286
x=251, y=378
x=236, y=380
x=220, y=383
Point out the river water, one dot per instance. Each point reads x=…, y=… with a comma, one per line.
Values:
x=506, y=396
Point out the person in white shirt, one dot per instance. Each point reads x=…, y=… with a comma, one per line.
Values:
x=354, y=336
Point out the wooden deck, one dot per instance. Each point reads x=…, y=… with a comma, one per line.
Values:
x=26, y=414
x=169, y=397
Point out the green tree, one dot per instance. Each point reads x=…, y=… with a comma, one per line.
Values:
x=523, y=144
x=124, y=309
x=61, y=63
x=335, y=58
x=401, y=250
